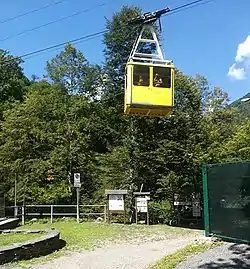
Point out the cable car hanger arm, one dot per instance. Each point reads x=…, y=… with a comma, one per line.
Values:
x=146, y=22
x=149, y=17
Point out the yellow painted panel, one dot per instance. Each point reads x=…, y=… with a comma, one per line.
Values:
x=142, y=95
x=162, y=96
x=147, y=112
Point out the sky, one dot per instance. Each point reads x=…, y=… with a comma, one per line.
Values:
x=212, y=39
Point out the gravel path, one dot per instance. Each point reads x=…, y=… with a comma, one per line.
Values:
x=130, y=256
x=227, y=256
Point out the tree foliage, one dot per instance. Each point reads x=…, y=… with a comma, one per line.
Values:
x=12, y=80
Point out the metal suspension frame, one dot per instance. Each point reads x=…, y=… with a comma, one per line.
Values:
x=147, y=21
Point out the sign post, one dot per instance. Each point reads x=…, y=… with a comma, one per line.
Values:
x=141, y=204
x=77, y=185
x=116, y=202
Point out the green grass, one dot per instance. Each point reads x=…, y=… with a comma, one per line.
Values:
x=11, y=238
x=88, y=235
x=170, y=261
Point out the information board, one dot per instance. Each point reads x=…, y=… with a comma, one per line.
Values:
x=141, y=204
x=116, y=202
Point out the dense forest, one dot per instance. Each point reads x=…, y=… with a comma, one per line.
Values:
x=72, y=120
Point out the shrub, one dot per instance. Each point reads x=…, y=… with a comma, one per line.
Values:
x=160, y=212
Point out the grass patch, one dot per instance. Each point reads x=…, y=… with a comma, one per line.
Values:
x=170, y=261
x=88, y=235
x=11, y=238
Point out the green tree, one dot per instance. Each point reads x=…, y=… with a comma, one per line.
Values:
x=12, y=80
x=71, y=70
x=43, y=140
x=118, y=43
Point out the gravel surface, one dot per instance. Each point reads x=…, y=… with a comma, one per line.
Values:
x=128, y=256
x=227, y=256
x=122, y=257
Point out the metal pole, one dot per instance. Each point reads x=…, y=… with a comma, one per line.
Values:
x=77, y=202
x=23, y=215
x=51, y=214
x=15, y=209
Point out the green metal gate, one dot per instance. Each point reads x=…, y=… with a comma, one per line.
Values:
x=226, y=194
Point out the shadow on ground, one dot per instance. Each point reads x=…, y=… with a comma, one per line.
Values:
x=234, y=256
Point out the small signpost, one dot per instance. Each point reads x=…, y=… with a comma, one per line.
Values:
x=77, y=185
x=116, y=202
x=141, y=204
x=196, y=207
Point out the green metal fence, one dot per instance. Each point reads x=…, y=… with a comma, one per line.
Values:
x=226, y=194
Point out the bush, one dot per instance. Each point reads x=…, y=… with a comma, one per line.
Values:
x=160, y=212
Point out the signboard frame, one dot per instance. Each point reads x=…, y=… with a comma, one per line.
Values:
x=118, y=207
x=145, y=197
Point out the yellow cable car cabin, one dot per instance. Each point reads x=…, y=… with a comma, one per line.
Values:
x=149, y=89
x=149, y=80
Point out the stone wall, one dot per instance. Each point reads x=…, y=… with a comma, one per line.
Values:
x=9, y=223
x=33, y=248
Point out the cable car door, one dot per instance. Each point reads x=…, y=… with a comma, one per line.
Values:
x=141, y=90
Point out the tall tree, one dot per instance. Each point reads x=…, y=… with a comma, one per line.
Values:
x=118, y=43
x=71, y=70
x=12, y=80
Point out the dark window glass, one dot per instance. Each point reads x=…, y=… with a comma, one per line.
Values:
x=141, y=75
x=162, y=77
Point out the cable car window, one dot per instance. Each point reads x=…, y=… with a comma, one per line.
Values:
x=162, y=77
x=141, y=75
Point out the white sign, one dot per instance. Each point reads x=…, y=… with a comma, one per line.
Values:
x=141, y=204
x=77, y=180
x=116, y=202
x=196, y=209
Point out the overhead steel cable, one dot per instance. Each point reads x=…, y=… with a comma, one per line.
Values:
x=188, y=6
x=56, y=46
x=52, y=22
x=182, y=7
x=32, y=11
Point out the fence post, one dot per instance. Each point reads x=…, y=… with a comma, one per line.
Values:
x=23, y=215
x=15, y=211
x=51, y=214
x=105, y=213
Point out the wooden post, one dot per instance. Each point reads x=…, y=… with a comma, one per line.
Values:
x=136, y=213
x=108, y=216
x=51, y=214
x=105, y=213
x=124, y=216
x=147, y=214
